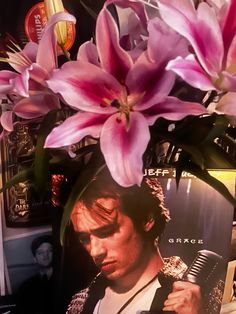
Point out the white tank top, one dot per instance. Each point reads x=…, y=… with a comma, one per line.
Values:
x=142, y=302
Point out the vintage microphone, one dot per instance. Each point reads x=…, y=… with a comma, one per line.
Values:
x=204, y=271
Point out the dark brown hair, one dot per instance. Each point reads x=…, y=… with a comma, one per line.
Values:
x=139, y=203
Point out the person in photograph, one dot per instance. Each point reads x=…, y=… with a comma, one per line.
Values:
x=35, y=294
x=121, y=228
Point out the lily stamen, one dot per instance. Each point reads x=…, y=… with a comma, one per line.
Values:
x=22, y=58
x=115, y=103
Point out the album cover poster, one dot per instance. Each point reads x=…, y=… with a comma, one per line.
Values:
x=196, y=241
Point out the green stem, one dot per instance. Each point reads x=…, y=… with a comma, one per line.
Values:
x=65, y=52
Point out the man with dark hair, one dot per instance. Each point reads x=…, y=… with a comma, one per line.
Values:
x=120, y=228
x=35, y=294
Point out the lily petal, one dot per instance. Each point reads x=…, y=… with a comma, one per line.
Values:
x=21, y=60
x=48, y=42
x=7, y=120
x=88, y=52
x=228, y=82
x=75, y=128
x=36, y=105
x=216, y=4
x=227, y=104
x=199, y=27
x=37, y=73
x=30, y=51
x=173, y=109
x=231, y=57
x=85, y=86
x=137, y=6
x=114, y=59
x=6, y=79
x=21, y=84
x=228, y=22
x=119, y=145
x=190, y=71
x=172, y=44
x=154, y=83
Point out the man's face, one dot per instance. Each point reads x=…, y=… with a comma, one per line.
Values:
x=115, y=246
x=43, y=254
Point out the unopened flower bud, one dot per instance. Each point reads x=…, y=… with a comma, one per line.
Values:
x=52, y=7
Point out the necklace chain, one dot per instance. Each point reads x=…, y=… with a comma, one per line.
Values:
x=132, y=297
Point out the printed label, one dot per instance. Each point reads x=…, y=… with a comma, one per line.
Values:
x=35, y=22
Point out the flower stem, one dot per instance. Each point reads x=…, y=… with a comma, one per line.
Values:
x=65, y=52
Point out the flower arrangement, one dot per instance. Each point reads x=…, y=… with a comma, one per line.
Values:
x=166, y=77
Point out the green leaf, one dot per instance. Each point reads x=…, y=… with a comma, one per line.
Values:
x=192, y=130
x=94, y=166
x=197, y=138
x=81, y=152
x=216, y=158
x=179, y=167
x=196, y=154
x=204, y=175
x=94, y=7
x=41, y=162
x=89, y=10
x=218, y=128
x=62, y=163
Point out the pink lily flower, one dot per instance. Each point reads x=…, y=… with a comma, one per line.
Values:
x=30, y=96
x=134, y=38
x=116, y=98
x=8, y=80
x=211, y=31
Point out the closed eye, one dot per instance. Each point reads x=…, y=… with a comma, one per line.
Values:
x=105, y=231
x=102, y=233
x=84, y=238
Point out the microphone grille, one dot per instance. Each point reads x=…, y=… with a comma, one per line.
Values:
x=204, y=268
